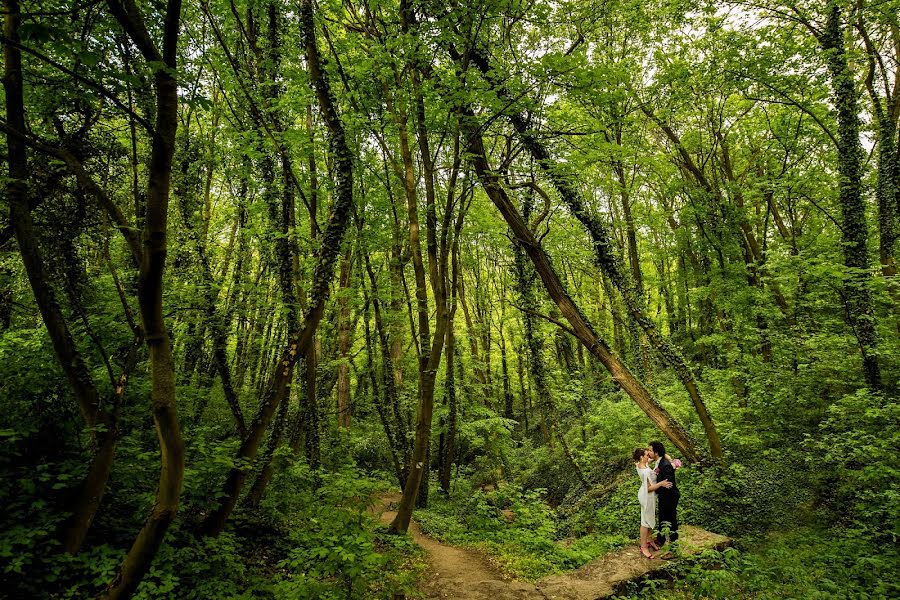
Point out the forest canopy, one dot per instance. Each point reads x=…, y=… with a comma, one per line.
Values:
x=269, y=269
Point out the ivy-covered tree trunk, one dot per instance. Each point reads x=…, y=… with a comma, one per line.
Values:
x=300, y=341
x=854, y=231
x=887, y=115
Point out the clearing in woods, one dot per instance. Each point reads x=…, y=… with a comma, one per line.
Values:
x=465, y=574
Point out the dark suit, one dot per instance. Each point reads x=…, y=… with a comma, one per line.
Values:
x=667, y=501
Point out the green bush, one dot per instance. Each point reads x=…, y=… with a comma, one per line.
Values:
x=854, y=464
x=804, y=563
x=770, y=490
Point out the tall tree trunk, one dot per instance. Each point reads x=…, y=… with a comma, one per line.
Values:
x=507, y=391
x=430, y=348
x=854, y=232
x=381, y=402
x=344, y=325
x=258, y=489
x=520, y=371
x=397, y=440
x=887, y=186
x=449, y=455
x=150, y=292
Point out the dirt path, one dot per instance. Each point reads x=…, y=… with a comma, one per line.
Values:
x=467, y=575
x=456, y=572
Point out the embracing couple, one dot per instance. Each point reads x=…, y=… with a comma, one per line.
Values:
x=657, y=472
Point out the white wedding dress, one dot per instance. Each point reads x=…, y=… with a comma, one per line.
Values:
x=647, y=498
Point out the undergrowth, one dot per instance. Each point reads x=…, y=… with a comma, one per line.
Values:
x=516, y=528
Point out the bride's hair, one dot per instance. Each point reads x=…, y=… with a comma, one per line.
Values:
x=638, y=453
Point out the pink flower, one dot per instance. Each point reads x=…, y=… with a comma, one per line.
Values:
x=656, y=470
x=676, y=463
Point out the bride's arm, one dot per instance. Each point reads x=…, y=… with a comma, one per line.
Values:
x=652, y=487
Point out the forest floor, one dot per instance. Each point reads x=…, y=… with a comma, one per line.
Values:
x=466, y=574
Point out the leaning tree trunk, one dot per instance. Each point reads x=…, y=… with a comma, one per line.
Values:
x=603, y=250
x=581, y=328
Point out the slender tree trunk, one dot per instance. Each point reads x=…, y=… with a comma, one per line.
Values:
x=343, y=370
x=150, y=294
x=258, y=489
x=449, y=455
x=887, y=186
x=507, y=391
x=327, y=255
x=311, y=446
x=854, y=231
x=430, y=348
x=379, y=401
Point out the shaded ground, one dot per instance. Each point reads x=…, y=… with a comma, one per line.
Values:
x=467, y=575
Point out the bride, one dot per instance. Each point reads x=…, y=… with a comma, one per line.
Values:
x=647, y=498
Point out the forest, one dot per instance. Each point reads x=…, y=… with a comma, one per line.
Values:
x=377, y=298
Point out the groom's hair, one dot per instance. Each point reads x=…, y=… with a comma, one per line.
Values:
x=658, y=448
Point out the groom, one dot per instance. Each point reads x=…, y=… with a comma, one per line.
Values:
x=667, y=498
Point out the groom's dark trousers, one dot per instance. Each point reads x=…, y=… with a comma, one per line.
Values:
x=667, y=501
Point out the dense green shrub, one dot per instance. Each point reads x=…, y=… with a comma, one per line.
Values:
x=803, y=563
x=771, y=490
x=854, y=463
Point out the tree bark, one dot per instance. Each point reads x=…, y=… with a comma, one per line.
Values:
x=150, y=292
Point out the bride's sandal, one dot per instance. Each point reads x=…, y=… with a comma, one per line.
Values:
x=653, y=545
x=646, y=552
